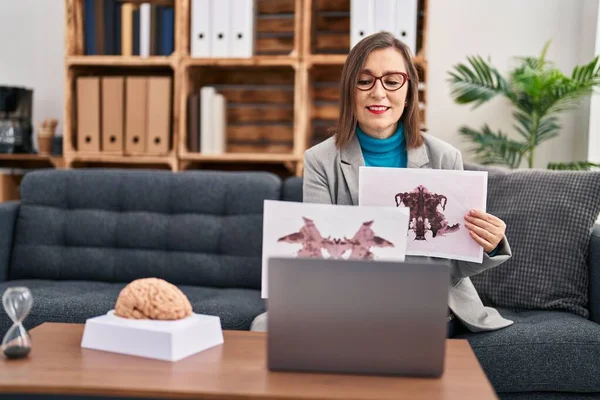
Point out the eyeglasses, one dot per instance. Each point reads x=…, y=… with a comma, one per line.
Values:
x=391, y=82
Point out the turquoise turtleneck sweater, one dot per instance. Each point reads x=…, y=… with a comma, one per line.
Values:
x=389, y=152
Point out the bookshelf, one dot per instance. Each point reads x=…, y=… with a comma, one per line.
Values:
x=279, y=102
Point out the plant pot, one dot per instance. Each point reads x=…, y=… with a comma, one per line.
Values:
x=45, y=144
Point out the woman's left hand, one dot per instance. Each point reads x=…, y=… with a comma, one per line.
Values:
x=485, y=229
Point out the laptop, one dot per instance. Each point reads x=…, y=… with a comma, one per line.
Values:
x=357, y=316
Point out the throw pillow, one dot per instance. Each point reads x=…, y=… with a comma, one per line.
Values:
x=549, y=216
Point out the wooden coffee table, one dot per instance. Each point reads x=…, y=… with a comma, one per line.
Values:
x=235, y=370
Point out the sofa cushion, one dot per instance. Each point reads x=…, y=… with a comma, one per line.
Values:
x=198, y=228
x=75, y=301
x=549, y=216
x=292, y=189
x=541, y=351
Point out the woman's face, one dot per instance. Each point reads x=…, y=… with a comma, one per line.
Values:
x=378, y=110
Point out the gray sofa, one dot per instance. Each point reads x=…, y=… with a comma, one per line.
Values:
x=79, y=236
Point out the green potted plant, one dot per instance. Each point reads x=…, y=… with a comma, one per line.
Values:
x=538, y=91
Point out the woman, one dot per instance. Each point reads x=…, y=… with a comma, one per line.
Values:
x=378, y=125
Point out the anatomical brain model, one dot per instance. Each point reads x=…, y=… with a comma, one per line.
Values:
x=424, y=214
x=152, y=298
x=313, y=243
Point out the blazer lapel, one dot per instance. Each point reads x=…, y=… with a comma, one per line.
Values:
x=418, y=158
x=351, y=158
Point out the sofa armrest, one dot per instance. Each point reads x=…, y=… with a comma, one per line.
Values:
x=8, y=218
x=594, y=265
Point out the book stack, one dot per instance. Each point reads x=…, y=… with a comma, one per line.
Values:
x=124, y=114
x=112, y=27
x=207, y=121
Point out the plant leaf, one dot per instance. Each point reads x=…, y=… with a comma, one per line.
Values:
x=495, y=148
x=538, y=63
x=476, y=83
x=547, y=128
x=565, y=93
x=524, y=124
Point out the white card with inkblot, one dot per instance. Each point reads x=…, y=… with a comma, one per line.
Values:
x=438, y=200
x=292, y=229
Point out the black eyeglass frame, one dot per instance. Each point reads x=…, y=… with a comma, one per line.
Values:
x=380, y=78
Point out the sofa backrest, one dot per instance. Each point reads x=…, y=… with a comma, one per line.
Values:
x=197, y=227
x=292, y=189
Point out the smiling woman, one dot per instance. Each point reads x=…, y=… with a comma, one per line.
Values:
x=379, y=89
x=378, y=125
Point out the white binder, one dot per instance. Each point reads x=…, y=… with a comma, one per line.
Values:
x=221, y=28
x=242, y=28
x=145, y=24
x=362, y=20
x=385, y=15
x=406, y=23
x=207, y=134
x=200, y=29
x=219, y=123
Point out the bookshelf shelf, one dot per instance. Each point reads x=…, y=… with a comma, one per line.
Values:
x=242, y=62
x=326, y=59
x=30, y=160
x=168, y=3
x=279, y=102
x=121, y=61
x=24, y=157
x=240, y=157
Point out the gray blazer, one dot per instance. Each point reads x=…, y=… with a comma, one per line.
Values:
x=331, y=177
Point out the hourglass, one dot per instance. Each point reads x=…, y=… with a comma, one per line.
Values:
x=17, y=303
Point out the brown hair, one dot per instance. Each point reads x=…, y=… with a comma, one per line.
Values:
x=346, y=124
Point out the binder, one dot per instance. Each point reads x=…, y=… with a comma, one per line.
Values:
x=88, y=114
x=193, y=120
x=206, y=119
x=219, y=123
x=385, y=15
x=154, y=29
x=118, y=37
x=136, y=31
x=166, y=31
x=127, y=29
x=406, y=23
x=99, y=26
x=221, y=28
x=113, y=99
x=145, y=29
x=159, y=115
x=110, y=28
x=200, y=29
x=362, y=19
x=135, y=114
x=242, y=28
x=89, y=22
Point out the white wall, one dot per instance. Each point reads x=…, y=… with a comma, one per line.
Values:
x=501, y=30
x=587, y=50
x=594, y=115
x=32, y=46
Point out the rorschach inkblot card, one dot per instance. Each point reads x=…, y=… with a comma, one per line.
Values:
x=438, y=201
x=292, y=229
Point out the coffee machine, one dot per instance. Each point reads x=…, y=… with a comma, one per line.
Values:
x=16, y=128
